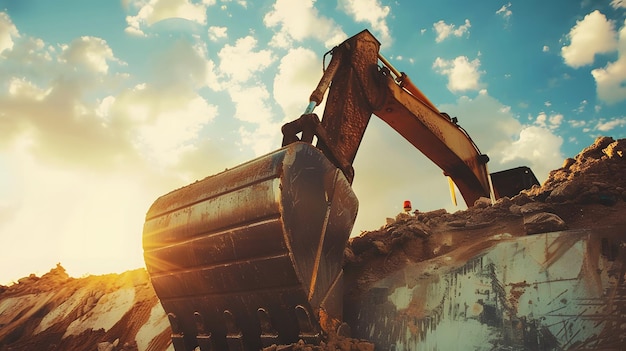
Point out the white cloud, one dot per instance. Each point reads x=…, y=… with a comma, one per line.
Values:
x=545, y=48
x=173, y=124
x=216, y=33
x=505, y=11
x=552, y=121
x=595, y=34
x=134, y=26
x=308, y=23
x=263, y=139
x=445, y=30
x=61, y=127
x=295, y=81
x=618, y=4
x=541, y=119
x=583, y=105
x=70, y=121
x=371, y=12
x=8, y=32
x=153, y=11
x=20, y=87
x=240, y=62
x=260, y=131
x=32, y=54
x=164, y=9
x=605, y=126
x=49, y=103
x=462, y=73
x=251, y=103
x=184, y=63
x=490, y=128
x=555, y=120
x=592, y=35
x=224, y=6
x=238, y=68
x=90, y=52
x=611, y=80
x=536, y=147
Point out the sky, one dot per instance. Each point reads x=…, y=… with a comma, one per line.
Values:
x=106, y=105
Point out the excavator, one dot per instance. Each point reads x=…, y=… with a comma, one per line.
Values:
x=253, y=256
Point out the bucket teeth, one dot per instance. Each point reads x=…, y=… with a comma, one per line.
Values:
x=202, y=337
x=204, y=342
x=177, y=335
x=234, y=336
x=308, y=332
x=269, y=336
x=199, y=323
x=174, y=323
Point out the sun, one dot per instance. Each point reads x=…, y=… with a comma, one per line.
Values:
x=103, y=232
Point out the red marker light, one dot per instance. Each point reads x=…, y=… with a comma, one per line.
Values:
x=407, y=205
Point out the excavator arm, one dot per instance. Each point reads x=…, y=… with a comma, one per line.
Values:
x=253, y=256
x=359, y=87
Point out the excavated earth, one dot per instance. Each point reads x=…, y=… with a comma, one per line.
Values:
x=586, y=192
x=121, y=311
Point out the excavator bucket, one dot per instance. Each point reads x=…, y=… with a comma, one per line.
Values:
x=253, y=256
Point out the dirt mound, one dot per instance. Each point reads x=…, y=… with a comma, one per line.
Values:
x=587, y=191
x=56, y=312
x=596, y=175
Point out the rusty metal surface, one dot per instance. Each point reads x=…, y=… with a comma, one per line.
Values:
x=252, y=256
x=352, y=93
x=554, y=291
x=359, y=88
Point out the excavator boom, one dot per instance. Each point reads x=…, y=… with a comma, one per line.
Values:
x=253, y=256
x=361, y=88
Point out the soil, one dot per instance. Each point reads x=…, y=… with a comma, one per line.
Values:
x=588, y=191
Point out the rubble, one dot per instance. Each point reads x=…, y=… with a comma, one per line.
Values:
x=543, y=222
x=57, y=312
x=597, y=176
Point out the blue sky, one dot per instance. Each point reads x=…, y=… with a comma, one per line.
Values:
x=106, y=105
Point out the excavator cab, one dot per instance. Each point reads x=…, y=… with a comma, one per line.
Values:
x=253, y=256
x=511, y=181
